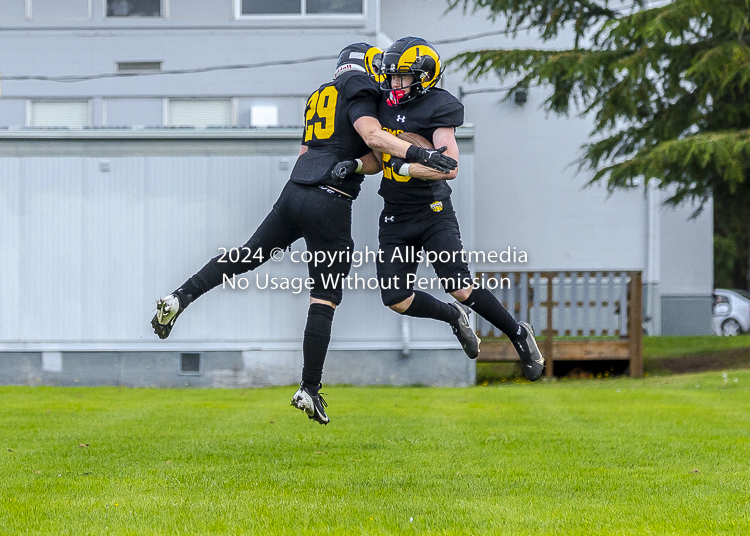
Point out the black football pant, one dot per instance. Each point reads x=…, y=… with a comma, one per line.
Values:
x=408, y=230
x=431, y=228
x=323, y=219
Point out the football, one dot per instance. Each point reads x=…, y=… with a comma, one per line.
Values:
x=416, y=139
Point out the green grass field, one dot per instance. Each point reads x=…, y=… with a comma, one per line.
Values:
x=671, y=347
x=667, y=455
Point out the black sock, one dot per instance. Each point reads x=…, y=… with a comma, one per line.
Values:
x=212, y=275
x=207, y=278
x=486, y=305
x=315, y=344
x=184, y=298
x=427, y=306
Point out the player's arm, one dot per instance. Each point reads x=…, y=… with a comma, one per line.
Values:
x=367, y=165
x=443, y=137
x=379, y=140
x=371, y=164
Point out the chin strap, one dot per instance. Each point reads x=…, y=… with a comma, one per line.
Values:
x=395, y=97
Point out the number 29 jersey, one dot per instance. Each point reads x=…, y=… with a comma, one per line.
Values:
x=329, y=133
x=421, y=115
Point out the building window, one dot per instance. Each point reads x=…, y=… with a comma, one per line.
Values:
x=71, y=114
x=200, y=113
x=134, y=8
x=302, y=7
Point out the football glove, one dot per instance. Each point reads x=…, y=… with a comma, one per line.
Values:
x=342, y=169
x=433, y=158
x=399, y=166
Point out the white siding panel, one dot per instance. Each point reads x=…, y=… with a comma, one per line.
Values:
x=175, y=214
x=10, y=248
x=98, y=240
x=198, y=205
x=112, y=233
x=12, y=10
x=683, y=237
x=50, y=264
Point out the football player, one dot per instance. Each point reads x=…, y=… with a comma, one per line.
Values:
x=418, y=210
x=316, y=205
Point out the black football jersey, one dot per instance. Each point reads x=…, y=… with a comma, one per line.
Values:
x=329, y=133
x=421, y=115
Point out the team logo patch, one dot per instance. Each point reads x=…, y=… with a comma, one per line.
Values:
x=437, y=206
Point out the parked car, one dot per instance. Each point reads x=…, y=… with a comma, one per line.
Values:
x=731, y=312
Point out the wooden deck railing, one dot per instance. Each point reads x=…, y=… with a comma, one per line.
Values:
x=587, y=305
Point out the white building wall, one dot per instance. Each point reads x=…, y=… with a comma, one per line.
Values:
x=527, y=193
x=91, y=240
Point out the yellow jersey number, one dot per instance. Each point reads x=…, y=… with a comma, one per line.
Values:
x=323, y=105
x=388, y=172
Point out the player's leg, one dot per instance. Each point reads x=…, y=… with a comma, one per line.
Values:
x=521, y=334
x=399, y=241
x=326, y=222
x=314, y=348
x=445, y=236
x=276, y=231
x=441, y=240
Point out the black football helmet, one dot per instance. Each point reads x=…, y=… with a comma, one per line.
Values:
x=415, y=56
x=361, y=57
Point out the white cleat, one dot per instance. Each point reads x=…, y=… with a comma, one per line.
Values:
x=313, y=405
x=167, y=311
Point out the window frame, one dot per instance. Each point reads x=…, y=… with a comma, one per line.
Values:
x=302, y=15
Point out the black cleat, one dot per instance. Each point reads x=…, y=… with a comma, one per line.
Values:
x=528, y=351
x=311, y=404
x=464, y=333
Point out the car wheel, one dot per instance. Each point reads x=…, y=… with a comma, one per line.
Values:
x=730, y=328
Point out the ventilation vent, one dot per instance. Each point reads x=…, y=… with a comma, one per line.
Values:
x=190, y=364
x=138, y=66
